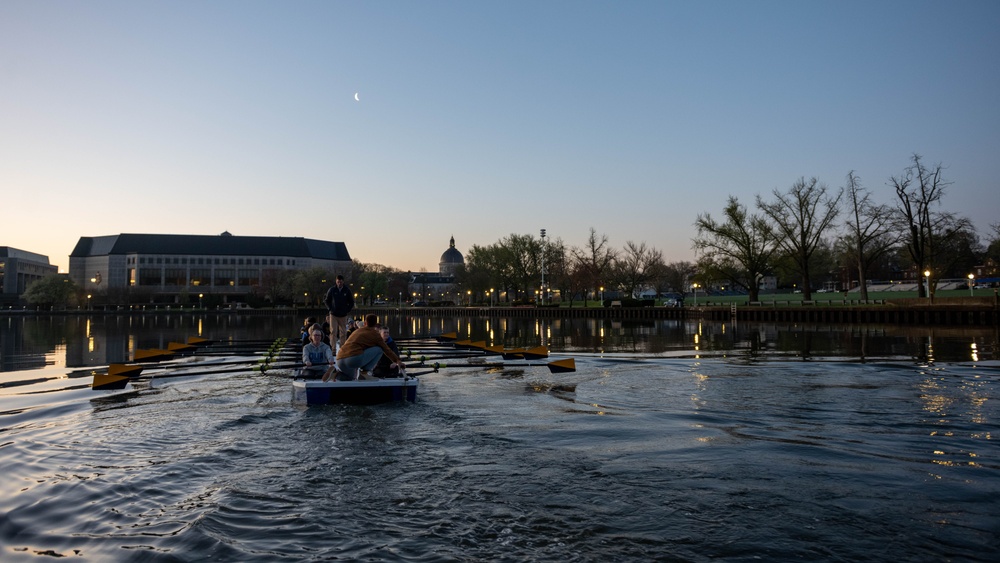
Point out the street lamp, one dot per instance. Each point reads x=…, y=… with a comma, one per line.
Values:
x=972, y=277
x=468, y=292
x=200, y=296
x=491, y=297
x=543, y=267
x=694, y=288
x=88, y=302
x=602, y=296
x=927, y=282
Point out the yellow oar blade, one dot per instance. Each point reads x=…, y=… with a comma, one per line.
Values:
x=105, y=381
x=180, y=347
x=448, y=336
x=126, y=370
x=536, y=353
x=562, y=366
x=197, y=340
x=152, y=355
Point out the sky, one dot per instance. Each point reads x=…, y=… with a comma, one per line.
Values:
x=477, y=120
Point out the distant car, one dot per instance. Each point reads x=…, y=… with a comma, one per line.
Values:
x=418, y=304
x=380, y=302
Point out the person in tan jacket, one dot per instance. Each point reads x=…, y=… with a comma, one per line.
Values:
x=362, y=351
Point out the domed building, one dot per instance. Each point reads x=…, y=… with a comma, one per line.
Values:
x=450, y=260
x=427, y=287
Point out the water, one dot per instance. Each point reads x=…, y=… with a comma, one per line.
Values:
x=746, y=445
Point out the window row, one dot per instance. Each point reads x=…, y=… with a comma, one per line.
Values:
x=143, y=260
x=195, y=277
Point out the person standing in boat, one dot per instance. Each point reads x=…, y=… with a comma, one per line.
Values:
x=340, y=302
x=317, y=352
x=362, y=351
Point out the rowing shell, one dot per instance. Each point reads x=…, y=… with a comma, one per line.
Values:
x=360, y=392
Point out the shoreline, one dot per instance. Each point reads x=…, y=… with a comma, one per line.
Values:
x=952, y=311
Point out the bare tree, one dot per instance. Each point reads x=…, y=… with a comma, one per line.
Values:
x=801, y=217
x=637, y=266
x=556, y=265
x=739, y=249
x=522, y=255
x=919, y=189
x=677, y=275
x=869, y=230
x=594, y=261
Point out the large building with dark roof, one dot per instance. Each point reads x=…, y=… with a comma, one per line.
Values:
x=18, y=269
x=170, y=265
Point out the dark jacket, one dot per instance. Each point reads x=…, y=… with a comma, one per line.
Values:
x=339, y=300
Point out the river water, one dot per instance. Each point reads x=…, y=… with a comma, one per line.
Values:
x=672, y=441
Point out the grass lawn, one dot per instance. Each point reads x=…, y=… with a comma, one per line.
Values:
x=853, y=298
x=830, y=299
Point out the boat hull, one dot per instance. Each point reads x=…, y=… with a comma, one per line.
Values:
x=362, y=392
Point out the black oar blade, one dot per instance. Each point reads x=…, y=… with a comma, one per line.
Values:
x=106, y=381
x=562, y=366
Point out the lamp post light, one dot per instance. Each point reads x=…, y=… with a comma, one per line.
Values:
x=200, y=296
x=543, y=268
x=972, y=278
x=468, y=293
x=602, y=296
x=89, y=307
x=694, y=288
x=491, y=297
x=927, y=283
x=305, y=299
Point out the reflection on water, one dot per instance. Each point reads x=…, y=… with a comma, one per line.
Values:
x=26, y=342
x=676, y=441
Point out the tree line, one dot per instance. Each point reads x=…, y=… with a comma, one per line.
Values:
x=803, y=237
x=799, y=235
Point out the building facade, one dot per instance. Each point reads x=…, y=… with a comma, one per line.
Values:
x=439, y=286
x=167, y=267
x=18, y=269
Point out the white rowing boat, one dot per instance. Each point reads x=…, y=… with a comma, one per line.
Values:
x=360, y=392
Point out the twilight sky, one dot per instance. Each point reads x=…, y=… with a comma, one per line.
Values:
x=476, y=119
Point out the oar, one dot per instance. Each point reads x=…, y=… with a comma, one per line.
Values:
x=104, y=381
x=441, y=356
x=134, y=370
x=152, y=355
x=558, y=366
x=120, y=374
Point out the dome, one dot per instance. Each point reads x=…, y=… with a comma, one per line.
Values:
x=451, y=259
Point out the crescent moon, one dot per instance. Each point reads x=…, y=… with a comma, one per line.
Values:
x=356, y=98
